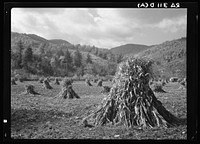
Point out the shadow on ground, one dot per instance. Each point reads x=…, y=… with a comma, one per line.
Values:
x=21, y=118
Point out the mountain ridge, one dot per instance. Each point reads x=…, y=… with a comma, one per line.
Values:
x=129, y=48
x=59, y=41
x=169, y=55
x=52, y=45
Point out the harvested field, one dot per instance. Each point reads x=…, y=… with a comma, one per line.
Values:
x=43, y=117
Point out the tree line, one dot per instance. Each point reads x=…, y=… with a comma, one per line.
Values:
x=61, y=62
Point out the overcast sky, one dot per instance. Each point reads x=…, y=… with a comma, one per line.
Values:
x=104, y=28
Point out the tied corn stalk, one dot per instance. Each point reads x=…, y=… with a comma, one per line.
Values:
x=29, y=89
x=13, y=82
x=99, y=82
x=57, y=81
x=131, y=101
x=41, y=80
x=87, y=82
x=46, y=84
x=21, y=79
x=67, y=92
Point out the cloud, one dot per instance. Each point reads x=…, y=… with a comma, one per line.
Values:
x=110, y=25
x=53, y=11
x=172, y=25
x=151, y=16
x=30, y=23
x=102, y=27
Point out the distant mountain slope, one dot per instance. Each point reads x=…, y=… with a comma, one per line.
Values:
x=37, y=38
x=53, y=45
x=95, y=59
x=170, y=57
x=59, y=41
x=129, y=49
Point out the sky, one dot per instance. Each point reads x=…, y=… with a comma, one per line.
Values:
x=102, y=27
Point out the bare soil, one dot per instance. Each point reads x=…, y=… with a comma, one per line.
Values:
x=44, y=117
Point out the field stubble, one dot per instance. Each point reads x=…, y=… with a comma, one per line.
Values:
x=45, y=117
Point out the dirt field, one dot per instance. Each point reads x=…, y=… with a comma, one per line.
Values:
x=43, y=117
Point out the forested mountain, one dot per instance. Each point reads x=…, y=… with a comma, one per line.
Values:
x=170, y=57
x=51, y=56
x=59, y=42
x=129, y=49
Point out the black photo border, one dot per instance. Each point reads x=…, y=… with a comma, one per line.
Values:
x=192, y=57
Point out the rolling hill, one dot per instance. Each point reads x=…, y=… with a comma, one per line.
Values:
x=59, y=41
x=28, y=39
x=170, y=57
x=53, y=45
x=129, y=49
x=35, y=40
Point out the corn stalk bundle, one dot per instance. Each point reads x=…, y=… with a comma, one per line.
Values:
x=179, y=80
x=99, y=82
x=57, y=81
x=131, y=101
x=66, y=82
x=67, y=91
x=46, y=84
x=13, y=82
x=87, y=82
x=41, y=80
x=21, y=79
x=183, y=82
x=163, y=83
x=95, y=80
x=48, y=79
x=29, y=89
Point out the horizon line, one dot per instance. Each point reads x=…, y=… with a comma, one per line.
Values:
x=100, y=47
